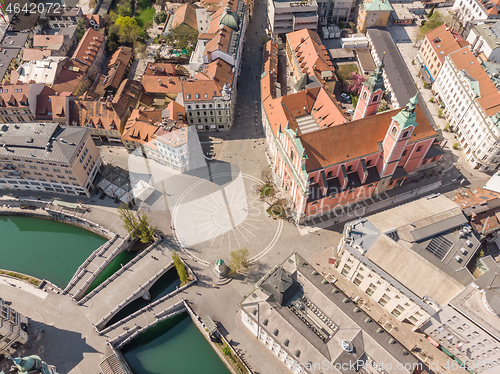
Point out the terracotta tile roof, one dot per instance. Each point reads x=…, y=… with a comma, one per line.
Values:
x=48, y=41
x=469, y=198
x=129, y=91
x=14, y=95
x=311, y=54
x=122, y=54
x=448, y=40
x=200, y=88
x=186, y=14
x=161, y=84
x=35, y=54
x=141, y=125
x=99, y=114
x=269, y=79
x=205, y=36
x=160, y=69
x=489, y=99
x=51, y=107
x=220, y=41
x=219, y=71
x=215, y=19
x=355, y=139
x=115, y=75
x=70, y=77
x=175, y=111
x=89, y=46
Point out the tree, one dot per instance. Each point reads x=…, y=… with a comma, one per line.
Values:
x=180, y=267
x=124, y=11
x=183, y=37
x=145, y=232
x=139, y=228
x=355, y=83
x=130, y=221
x=433, y=21
x=431, y=12
x=160, y=18
x=383, y=106
x=129, y=30
x=80, y=28
x=113, y=38
x=239, y=260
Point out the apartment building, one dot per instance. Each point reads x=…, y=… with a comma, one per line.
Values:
x=48, y=157
x=469, y=10
x=208, y=97
x=469, y=89
x=437, y=44
x=285, y=16
x=309, y=59
x=330, y=11
x=467, y=327
x=59, y=44
x=43, y=71
x=13, y=329
x=312, y=327
x=373, y=13
x=484, y=39
x=65, y=17
x=91, y=50
x=18, y=102
x=411, y=259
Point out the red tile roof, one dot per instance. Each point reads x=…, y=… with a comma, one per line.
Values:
x=35, y=54
x=463, y=59
x=14, y=95
x=200, y=88
x=219, y=71
x=141, y=125
x=89, y=47
x=355, y=139
x=51, y=107
x=161, y=84
x=70, y=77
x=48, y=41
x=448, y=40
x=99, y=114
x=185, y=14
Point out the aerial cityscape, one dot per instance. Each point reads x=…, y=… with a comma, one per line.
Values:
x=250, y=186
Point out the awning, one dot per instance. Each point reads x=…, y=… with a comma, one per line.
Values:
x=426, y=75
x=65, y=204
x=446, y=351
x=143, y=190
x=210, y=324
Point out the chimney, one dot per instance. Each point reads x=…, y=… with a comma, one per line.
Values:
x=209, y=56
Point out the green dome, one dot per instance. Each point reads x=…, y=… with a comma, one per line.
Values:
x=230, y=19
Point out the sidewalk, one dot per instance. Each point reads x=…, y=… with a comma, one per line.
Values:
x=413, y=341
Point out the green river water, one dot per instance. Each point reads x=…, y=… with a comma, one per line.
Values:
x=53, y=251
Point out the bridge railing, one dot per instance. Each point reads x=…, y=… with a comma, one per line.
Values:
x=144, y=253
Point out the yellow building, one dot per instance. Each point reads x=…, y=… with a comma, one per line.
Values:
x=373, y=13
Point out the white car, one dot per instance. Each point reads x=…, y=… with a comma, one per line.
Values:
x=343, y=95
x=350, y=111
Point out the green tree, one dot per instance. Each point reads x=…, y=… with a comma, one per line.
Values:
x=183, y=37
x=160, y=18
x=433, y=21
x=383, y=106
x=124, y=11
x=239, y=260
x=180, y=267
x=431, y=12
x=139, y=228
x=128, y=29
x=130, y=221
x=145, y=231
x=80, y=28
x=113, y=38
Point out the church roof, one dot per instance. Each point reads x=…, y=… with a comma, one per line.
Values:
x=378, y=5
x=230, y=19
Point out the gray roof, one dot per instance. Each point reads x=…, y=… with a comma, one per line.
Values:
x=315, y=300
x=6, y=56
x=281, y=285
x=388, y=243
x=41, y=141
x=490, y=283
x=14, y=40
x=396, y=70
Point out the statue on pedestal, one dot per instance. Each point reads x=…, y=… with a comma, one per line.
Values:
x=31, y=365
x=221, y=267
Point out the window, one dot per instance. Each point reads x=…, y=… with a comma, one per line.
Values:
x=197, y=96
x=375, y=98
x=397, y=311
x=384, y=300
x=364, y=96
x=188, y=97
x=394, y=130
x=419, y=148
x=371, y=289
x=405, y=134
x=412, y=319
x=405, y=152
x=345, y=270
x=359, y=278
x=349, y=168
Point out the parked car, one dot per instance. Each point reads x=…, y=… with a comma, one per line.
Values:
x=350, y=111
x=345, y=96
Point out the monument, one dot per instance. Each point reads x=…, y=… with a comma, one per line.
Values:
x=31, y=365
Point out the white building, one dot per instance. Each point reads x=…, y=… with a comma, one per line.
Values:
x=284, y=16
x=13, y=329
x=43, y=71
x=313, y=328
x=411, y=259
x=484, y=39
x=470, y=91
x=468, y=10
x=468, y=326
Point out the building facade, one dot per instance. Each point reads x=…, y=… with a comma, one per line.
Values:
x=312, y=327
x=13, y=329
x=472, y=106
x=431, y=236
x=373, y=13
x=437, y=44
x=287, y=16
x=48, y=157
x=469, y=10
x=18, y=102
x=484, y=39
